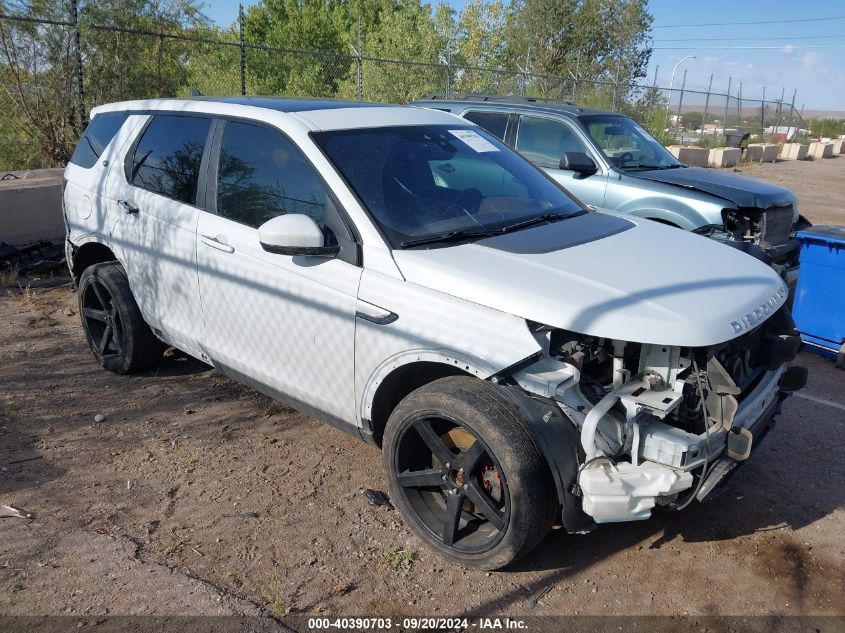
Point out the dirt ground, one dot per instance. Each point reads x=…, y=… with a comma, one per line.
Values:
x=197, y=496
x=819, y=185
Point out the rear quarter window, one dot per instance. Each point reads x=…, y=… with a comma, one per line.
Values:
x=99, y=133
x=494, y=122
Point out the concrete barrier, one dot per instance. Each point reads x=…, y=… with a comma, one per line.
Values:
x=839, y=146
x=724, y=157
x=762, y=152
x=31, y=207
x=794, y=151
x=690, y=155
x=819, y=150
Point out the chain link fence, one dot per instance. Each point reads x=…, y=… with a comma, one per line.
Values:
x=55, y=68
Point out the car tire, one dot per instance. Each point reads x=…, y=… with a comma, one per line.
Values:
x=119, y=337
x=466, y=475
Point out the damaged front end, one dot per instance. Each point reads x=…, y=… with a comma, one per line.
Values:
x=654, y=425
x=768, y=234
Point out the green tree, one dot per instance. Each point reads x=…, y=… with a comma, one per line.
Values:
x=605, y=43
x=38, y=68
x=404, y=34
x=298, y=24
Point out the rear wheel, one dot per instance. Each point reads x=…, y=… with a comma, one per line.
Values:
x=117, y=334
x=466, y=475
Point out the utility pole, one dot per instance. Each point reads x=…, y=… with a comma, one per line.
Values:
x=449, y=65
x=680, y=104
x=359, y=75
x=792, y=114
x=80, y=87
x=706, y=104
x=242, y=48
x=780, y=109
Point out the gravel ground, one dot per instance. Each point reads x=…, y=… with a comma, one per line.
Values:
x=197, y=496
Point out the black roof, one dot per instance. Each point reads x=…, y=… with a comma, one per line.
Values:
x=288, y=104
x=513, y=103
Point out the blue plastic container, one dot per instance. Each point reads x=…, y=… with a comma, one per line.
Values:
x=819, y=308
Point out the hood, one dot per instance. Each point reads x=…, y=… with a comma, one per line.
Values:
x=742, y=191
x=609, y=276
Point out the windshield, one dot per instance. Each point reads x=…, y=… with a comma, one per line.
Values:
x=433, y=184
x=627, y=145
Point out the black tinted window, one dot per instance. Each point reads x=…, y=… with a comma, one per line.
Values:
x=544, y=141
x=494, y=122
x=97, y=136
x=167, y=159
x=262, y=174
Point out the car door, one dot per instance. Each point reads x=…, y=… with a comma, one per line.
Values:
x=544, y=140
x=284, y=324
x=155, y=193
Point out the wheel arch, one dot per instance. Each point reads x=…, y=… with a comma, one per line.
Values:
x=87, y=254
x=395, y=380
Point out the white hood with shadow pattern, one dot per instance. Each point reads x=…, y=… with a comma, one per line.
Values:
x=609, y=276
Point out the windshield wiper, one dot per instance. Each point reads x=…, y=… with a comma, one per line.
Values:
x=540, y=219
x=451, y=236
x=650, y=167
x=465, y=234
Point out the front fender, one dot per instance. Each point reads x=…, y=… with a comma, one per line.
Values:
x=674, y=212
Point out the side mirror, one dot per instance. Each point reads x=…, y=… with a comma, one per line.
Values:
x=578, y=162
x=294, y=234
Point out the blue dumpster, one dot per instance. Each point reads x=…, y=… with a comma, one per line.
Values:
x=819, y=308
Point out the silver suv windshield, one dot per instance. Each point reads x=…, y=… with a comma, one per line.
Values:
x=430, y=185
x=627, y=145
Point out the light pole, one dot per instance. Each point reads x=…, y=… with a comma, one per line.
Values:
x=672, y=81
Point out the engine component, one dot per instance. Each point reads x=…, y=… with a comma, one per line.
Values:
x=624, y=492
x=659, y=401
x=670, y=445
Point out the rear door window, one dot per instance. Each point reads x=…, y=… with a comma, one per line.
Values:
x=494, y=122
x=99, y=133
x=168, y=156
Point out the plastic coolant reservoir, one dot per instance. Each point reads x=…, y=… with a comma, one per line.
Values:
x=624, y=492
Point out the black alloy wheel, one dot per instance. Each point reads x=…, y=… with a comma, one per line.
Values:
x=117, y=334
x=466, y=474
x=453, y=484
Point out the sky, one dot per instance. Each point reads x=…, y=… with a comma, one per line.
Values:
x=789, y=54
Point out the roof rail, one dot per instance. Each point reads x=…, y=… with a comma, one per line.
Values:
x=474, y=96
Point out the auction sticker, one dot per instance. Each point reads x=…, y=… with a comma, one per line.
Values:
x=476, y=142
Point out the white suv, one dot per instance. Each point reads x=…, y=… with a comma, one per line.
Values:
x=406, y=277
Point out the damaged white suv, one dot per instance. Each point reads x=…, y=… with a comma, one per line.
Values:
x=404, y=276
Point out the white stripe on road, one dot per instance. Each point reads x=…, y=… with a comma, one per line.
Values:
x=828, y=403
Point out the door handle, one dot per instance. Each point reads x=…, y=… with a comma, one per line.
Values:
x=128, y=207
x=220, y=245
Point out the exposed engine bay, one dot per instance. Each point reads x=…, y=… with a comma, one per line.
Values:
x=766, y=234
x=655, y=422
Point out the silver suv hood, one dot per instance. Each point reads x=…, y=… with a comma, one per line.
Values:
x=604, y=275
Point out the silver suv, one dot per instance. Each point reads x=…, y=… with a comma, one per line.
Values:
x=610, y=162
x=408, y=278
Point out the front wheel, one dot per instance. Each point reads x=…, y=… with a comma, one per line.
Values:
x=119, y=337
x=466, y=475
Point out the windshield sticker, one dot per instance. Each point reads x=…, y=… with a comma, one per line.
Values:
x=476, y=142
